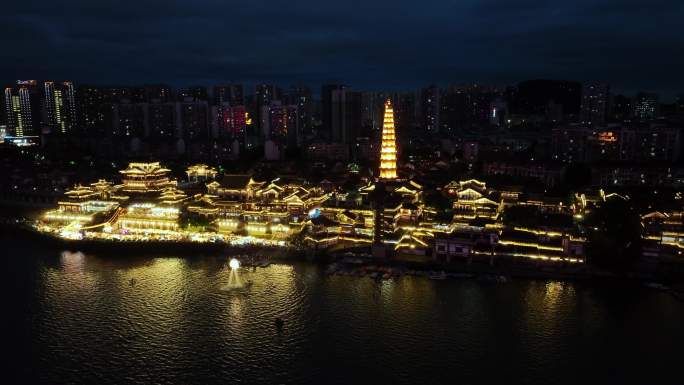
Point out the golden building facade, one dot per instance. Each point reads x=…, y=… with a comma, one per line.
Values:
x=146, y=178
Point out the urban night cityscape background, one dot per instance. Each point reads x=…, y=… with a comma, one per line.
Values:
x=303, y=192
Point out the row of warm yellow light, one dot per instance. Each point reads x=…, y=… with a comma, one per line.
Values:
x=543, y=257
x=538, y=232
x=530, y=244
x=231, y=224
x=549, y=233
x=59, y=216
x=126, y=223
x=338, y=238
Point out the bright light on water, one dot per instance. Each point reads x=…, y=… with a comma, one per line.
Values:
x=234, y=281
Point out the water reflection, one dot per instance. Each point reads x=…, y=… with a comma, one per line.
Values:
x=235, y=308
x=72, y=262
x=87, y=323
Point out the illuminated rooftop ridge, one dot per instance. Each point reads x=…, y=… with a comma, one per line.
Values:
x=141, y=169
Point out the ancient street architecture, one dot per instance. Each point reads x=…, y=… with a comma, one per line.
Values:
x=398, y=216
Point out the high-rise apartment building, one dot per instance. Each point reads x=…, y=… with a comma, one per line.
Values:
x=162, y=120
x=327, y=105
x=193, y=94
x=284, y=125
x=594, y=104
x=59, y=102
x=301, y=97
x=23, y=108
x=158, y=93
x=130, y=120
x=646, y=106
x=230, y=94
x=264, y=96
x=345, y=115
x=431, y=108
x=620, y=108
x=230, y=122
x=192, y=120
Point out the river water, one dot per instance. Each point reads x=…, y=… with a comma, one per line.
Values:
x=86, y=319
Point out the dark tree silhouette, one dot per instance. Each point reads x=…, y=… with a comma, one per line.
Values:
x=614, y=234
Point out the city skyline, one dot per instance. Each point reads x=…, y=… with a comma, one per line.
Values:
x=622, y=43
x=250, y=88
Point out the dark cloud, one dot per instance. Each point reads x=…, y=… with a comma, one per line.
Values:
x=370, y=44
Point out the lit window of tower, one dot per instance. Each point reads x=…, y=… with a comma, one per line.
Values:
x=388, y=153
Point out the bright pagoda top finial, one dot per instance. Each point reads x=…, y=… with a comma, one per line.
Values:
x=388, y=151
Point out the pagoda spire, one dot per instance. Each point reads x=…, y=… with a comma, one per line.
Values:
x=388, y=152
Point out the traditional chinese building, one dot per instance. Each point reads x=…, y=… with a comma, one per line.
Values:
x=172, y=196
x=142, y=178
x=108, y=191
x=237, y=187
x=665, y=227
x=80, y=212
x=149, y=218
x=80, y=193
x=200, y=173
x=472, y=199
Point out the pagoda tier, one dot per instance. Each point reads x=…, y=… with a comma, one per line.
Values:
x=146, y=177
x=388, y=152
x=172, y=196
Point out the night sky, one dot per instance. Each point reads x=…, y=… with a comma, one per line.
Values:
x=367, y=44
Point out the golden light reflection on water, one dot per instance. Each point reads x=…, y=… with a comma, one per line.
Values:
x=174, y=317
x=273, y=292
x=547, y=304
x=72, y=262
x=387, y=290
x=552, y=294
x=276, y=280
x=235, y=308
x=72, y=277
x=557, y=293
x=162, y=283
x=154, y=294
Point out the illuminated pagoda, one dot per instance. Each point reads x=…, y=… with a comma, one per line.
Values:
x=146, y=178
x=388, y=153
